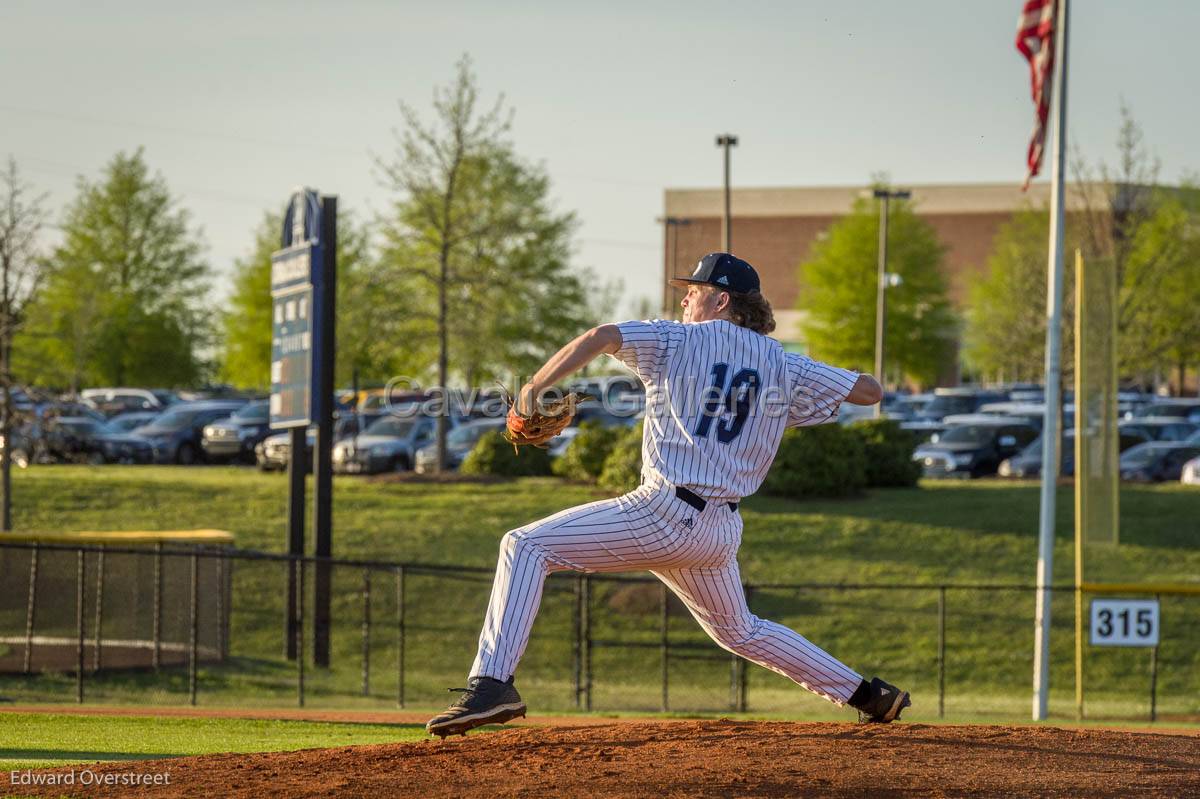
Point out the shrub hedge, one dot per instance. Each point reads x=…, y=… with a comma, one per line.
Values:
x=889, y=453
x=585, y=455
x=493, y=455
x=623, y=467
x=825, y=461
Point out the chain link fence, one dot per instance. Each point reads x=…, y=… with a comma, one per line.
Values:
x=166, y=625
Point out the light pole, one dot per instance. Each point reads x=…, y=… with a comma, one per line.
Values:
x=727, y=140
x=671, y=226
x=883, y=281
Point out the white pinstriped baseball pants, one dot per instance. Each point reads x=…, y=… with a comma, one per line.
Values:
x=693, y=552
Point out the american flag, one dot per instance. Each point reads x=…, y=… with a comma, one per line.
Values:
x=1035, y=40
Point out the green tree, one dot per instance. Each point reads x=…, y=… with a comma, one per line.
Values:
x=246, y=325
x=1005, y=321
x=21, y=271
x=124, y=301
x=475, y=257
x=839, y=299
x=1150, y=234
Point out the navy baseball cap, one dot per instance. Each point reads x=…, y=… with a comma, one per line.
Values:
x=725, y=271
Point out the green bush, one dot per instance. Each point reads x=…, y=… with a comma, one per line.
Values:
x=493, y=455
x=585, y=455
x=889, y=452
x=825, y=461
x=623, y=467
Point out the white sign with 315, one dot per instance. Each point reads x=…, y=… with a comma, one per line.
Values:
x=1124, y=622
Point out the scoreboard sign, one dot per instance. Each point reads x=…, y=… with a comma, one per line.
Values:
x=294, y=326
x=1124, y=622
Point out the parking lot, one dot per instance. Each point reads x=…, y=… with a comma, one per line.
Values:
x=957, y=433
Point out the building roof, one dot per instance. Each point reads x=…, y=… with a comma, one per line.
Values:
x=932, y=198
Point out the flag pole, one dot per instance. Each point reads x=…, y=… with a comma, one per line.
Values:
x=1050, y=433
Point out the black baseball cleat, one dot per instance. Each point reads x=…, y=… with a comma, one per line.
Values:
x=884, y=704
x=484, y=701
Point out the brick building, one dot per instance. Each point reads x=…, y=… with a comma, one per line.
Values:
x=775, y=228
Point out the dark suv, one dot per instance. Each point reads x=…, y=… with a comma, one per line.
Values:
x=236, y=437
x=176, y=433
x=973, y=450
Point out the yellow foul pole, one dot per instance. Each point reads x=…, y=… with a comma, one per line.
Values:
x=1080, y=429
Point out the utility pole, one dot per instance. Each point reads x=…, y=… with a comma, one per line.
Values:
x=883, y=281
x=727, y=140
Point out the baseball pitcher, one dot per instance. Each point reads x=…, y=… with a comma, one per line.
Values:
x=719, y=395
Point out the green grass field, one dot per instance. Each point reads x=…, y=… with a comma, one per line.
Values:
x=980, y=532
x=43, y=740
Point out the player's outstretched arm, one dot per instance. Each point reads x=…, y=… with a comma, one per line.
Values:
x=866, y=391
x=568, y=360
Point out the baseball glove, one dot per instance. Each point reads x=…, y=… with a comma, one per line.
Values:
x=548, y=420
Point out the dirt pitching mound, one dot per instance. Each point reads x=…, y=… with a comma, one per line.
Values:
x=698, y=758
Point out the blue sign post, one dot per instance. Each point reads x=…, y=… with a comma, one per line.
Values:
x=295, y=272
x=303, y=297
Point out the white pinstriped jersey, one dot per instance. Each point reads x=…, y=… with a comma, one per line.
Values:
x=718, y=398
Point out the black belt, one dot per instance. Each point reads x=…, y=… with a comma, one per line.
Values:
x=696, y=501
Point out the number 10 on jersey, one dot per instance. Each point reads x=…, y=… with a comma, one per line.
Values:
x=1124, y=622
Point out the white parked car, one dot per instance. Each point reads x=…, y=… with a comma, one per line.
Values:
x=1191, y=473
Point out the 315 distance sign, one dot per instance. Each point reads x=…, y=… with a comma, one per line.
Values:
x=1124, y=622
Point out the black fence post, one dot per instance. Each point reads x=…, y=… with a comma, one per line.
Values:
x=80, y=564
x=400, y=614
x=1154, y=667
x=665, y=646
x=99, y=608
x=366, y=633
x=156, y=657
x=577, y=643
x=298, y=463
x=29, y=608
x=194, y=628
x=743, y=672
x=941, y=654
x=221, y=631
x=587, y=643
x=298, y=570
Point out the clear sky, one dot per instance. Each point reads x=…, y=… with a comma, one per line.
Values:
x=237, y=102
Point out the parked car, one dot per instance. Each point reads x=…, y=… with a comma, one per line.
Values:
x=460, y=441
x=1175, y=408
x=1190, y=474
x=923, y=430
x=236, y=437
x=1156, y=461
x=70, y=439
x=80, y=439
x=120, y=445
x=53, y=409
x=23, y=446
x=1158, y=428
x=906, y=407
x=973, y=450
x=128, y=422
x=1028, y=463
x=114, y=401
x=176, y=433
x=351, y=423
x=389, y=444
x=273, y=452
x=948, y=401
